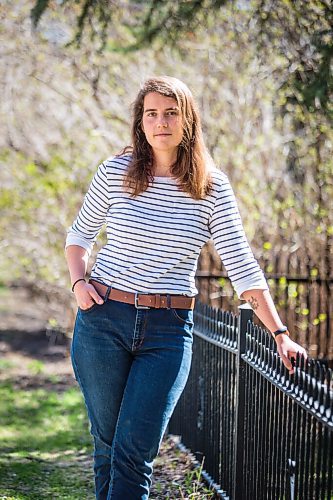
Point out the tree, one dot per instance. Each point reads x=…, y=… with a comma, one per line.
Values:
x=66, y=108
x=301, y=32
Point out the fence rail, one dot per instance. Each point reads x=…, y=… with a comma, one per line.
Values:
x=264, y=434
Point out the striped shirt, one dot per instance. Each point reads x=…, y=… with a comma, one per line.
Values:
x=154, y=240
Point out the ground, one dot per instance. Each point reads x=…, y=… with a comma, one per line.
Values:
x=45, y=449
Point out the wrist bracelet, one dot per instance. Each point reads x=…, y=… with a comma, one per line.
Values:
x=283, y=329
x=73, y=286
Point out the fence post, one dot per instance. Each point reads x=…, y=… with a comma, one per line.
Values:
x=245, y=315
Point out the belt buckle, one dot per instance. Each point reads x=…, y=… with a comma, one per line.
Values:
x=136, y=301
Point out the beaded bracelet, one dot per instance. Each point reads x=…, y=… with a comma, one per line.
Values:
x=80, y=279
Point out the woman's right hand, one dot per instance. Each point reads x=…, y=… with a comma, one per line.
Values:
x=86, y=295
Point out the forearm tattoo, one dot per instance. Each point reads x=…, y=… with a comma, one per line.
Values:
x=253, y=303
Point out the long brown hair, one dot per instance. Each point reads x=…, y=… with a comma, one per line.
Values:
x=193, y=164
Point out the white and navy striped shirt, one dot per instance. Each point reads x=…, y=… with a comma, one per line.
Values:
x=154, y=239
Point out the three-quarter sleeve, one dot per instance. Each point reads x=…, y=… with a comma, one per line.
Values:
x=230, y=241
x=92, y=214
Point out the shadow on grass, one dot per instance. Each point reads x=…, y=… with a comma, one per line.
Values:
x=39, y=345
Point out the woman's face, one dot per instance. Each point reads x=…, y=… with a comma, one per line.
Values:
x=162, y=122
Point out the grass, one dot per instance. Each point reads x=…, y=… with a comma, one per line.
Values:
x=45, y=450
x=193, y=487
x=45, y=445
x=6, y=364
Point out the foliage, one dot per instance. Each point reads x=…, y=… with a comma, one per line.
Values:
x=193, y=486
x=300, y=31
x=67, y=109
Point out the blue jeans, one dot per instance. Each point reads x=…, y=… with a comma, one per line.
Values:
x=132, y=366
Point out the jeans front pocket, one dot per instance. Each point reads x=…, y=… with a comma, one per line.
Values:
x=183, y=315
x=91, y=308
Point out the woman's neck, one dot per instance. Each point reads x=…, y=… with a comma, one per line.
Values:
x=163, y=163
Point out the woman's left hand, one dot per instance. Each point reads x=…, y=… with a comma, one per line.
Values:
x=288, y=349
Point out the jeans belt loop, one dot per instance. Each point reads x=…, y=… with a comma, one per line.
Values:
x=107, y=293
x=168, y=301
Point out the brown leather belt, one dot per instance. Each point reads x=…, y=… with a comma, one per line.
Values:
x=143, y=300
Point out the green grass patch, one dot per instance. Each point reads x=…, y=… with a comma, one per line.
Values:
x=36, y=367
x=6, y=364
x=3, y=289
x=45, y=447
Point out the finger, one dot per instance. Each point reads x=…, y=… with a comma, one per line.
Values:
x=94, y=295
x=292, y=356
x=301, y=352
x=304, y=354
x=287, y=363
x=86, y=304
x=301, y=358
x=291, y=366
x=297, y=356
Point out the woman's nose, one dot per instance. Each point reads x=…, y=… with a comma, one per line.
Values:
x=162, y=123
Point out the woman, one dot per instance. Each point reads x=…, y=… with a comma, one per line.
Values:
x=161, y=200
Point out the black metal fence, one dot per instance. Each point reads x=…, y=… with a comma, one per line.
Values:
x=263, y=434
